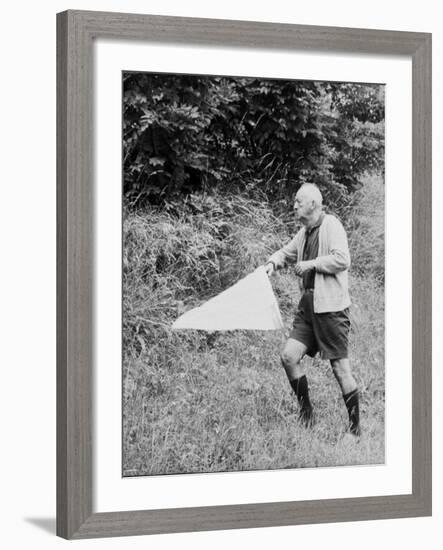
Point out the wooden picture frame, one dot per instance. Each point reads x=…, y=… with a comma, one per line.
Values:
x=76, y=31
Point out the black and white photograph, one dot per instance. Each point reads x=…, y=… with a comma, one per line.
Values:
x=220, y=320
x=253, y=274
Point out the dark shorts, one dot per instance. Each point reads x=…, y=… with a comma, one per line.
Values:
x=327, y=333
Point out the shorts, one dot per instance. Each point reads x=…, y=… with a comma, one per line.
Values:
x=327, y=333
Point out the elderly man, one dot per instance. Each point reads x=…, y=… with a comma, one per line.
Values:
x=321, y=322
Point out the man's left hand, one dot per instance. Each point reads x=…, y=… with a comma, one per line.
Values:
x=302, y=267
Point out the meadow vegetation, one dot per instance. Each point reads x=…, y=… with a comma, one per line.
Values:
x=200, y=402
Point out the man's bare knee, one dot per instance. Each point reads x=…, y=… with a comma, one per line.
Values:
x=292, y=354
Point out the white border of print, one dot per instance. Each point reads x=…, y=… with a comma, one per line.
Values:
x=111, y=491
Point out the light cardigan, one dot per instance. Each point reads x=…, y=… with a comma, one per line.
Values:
x=331, y=265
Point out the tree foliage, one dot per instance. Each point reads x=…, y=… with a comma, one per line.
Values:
x=184, y=134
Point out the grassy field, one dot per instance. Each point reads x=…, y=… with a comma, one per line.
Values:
x=197, y=402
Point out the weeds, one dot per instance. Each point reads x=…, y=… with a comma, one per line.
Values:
x=195, y=402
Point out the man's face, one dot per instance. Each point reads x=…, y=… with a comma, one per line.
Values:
x=302, y=207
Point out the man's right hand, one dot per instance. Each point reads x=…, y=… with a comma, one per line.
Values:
x=269, y=268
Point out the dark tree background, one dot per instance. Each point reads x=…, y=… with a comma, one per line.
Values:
x=185, y=134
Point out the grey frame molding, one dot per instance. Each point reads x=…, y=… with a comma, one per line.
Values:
x=76, y=31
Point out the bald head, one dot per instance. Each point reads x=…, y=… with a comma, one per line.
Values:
x=310, y=192
x=308, y=204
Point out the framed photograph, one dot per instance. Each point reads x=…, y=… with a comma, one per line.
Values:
x=243, y=275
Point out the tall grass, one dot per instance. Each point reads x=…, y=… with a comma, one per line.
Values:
x=198, y=402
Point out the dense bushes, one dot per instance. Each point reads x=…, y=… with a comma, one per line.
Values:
x=260, y=137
